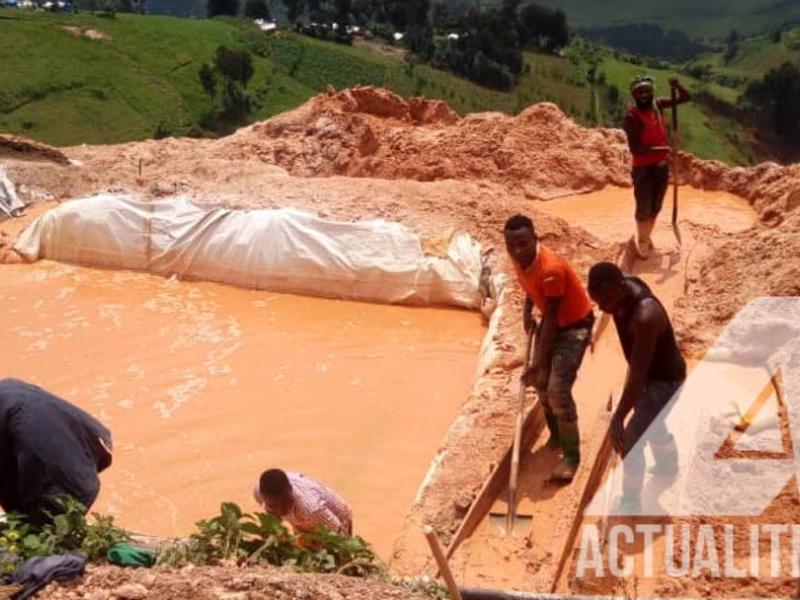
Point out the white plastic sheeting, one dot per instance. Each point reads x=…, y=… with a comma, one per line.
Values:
x=282, y=250
x=10, y=204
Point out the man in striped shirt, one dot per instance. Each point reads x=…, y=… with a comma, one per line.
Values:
x=304, y=502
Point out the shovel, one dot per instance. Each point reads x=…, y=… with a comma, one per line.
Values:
x=674, y=166
x=512, y=481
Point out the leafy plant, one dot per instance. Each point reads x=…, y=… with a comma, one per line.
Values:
x=100, y=536
x=67, y=530
x=263, y=539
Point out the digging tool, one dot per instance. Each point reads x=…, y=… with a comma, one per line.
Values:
x=512, y=480
x=494, y=485
x=674, y=166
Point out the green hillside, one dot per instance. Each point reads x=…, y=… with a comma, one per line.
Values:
x=756, y=56
x=66, y=89
x=708, y=19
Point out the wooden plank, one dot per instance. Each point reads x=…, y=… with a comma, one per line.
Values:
x=593, y=483
x=493, y=486
x=441, y=561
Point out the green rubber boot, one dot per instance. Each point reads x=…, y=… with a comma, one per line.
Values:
x=570, y=441
x=666, y=456
x=553, y=443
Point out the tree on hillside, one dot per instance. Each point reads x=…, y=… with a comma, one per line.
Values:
x=233, y=69
x=440, y=16
x=778, y=95
x=223, y=7
x=419, y=32
x=294, y=9
x=342, y=10
x=733, y=46
x=543, y=28
x=487, y=50
x=256, y=9
x=363, y=11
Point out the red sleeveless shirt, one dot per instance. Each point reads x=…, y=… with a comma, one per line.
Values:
x=654, y=133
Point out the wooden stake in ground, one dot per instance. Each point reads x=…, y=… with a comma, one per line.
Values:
x=514, y=475
x=674, y=164
x=441, y=561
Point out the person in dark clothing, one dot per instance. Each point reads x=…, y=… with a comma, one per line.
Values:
x=648, y=140
x=656, y=370
x=48, y=448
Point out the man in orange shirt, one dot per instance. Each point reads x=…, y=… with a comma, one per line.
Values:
x=552, y=286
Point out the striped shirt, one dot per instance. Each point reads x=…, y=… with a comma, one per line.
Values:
x=315, y=505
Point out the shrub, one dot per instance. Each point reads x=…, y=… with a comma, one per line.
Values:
x=263, y=539
x=67, y=531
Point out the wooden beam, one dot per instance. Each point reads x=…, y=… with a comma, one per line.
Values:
x=592, y=485
x=498, y=479
x=441, y=561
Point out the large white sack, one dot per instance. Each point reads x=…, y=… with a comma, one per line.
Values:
x=10, y=204
x=283, y=250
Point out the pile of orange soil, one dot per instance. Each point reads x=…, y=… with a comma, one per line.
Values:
x=763, y=261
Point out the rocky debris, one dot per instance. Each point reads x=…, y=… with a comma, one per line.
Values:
x=221, y=583
x=20, y=146
x=760, y=262
x=130, y=591
x=772, y=189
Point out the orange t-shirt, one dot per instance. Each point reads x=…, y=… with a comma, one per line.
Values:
x=550, y=276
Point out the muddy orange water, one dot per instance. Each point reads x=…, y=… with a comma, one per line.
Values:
x=205, y=385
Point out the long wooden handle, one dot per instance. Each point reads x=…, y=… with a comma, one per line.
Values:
x=674, y=164
x=514, y=474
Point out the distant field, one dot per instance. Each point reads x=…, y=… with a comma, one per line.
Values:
x=707, y=19
x=757, y=56
x=64, y=89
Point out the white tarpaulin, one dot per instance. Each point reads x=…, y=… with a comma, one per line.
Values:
x=10, y=204
x=281, y=250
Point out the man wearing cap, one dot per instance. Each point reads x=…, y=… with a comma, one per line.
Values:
x=648, y=141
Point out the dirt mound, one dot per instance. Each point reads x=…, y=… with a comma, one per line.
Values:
x=220, y=583
x=772, y=189
x=20, y=146
x=368, y=132
x=761, y=262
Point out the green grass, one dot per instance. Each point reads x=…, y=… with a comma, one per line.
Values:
x=317, y=64
x=756, y=56
x=66, y=90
